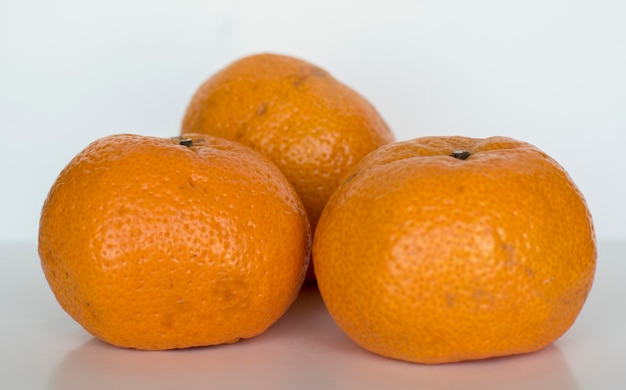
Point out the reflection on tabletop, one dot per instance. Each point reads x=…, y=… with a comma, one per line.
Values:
x=305, y=348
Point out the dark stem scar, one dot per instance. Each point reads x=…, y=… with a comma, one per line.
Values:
x=460, y=154
x=186, y=142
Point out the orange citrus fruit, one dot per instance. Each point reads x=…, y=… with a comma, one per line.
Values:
x=442, y=249
x=154, y=243
x=308, y=123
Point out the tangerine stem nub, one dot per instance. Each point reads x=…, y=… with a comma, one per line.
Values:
x=186, y=142
x=461, y=154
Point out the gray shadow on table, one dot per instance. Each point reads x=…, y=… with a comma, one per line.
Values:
x=303, y=350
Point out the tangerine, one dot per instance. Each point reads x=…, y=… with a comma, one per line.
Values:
x=443, y=249
x=154, y=243
x=312, y=126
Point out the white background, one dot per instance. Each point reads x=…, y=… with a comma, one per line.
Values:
x=545, y=71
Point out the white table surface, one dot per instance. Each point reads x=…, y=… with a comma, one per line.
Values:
x=43, y=348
